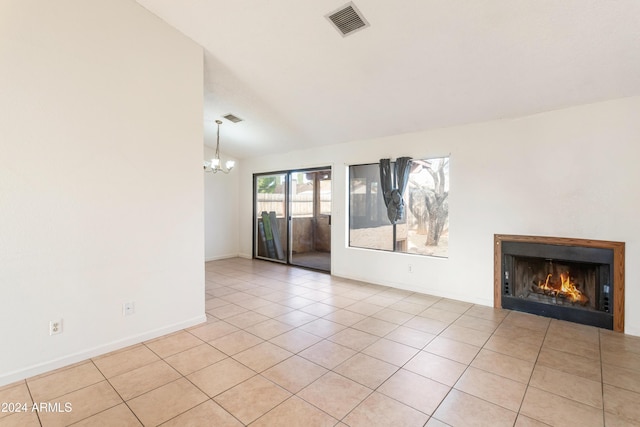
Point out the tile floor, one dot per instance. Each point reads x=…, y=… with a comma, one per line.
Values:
x=287, y=347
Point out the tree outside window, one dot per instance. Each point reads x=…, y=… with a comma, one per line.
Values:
x=424, y=230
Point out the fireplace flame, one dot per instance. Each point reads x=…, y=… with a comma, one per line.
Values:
x=565, y=287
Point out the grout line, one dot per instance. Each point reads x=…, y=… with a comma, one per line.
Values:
x=26, y=383
x=601, y=377
x=315, y=289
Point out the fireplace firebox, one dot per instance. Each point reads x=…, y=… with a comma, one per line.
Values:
x=576, y=280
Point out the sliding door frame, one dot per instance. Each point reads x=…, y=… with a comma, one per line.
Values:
x=287, y=196
x=287, y=207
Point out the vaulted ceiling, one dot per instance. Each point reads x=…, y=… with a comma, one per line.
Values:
x=283, y=68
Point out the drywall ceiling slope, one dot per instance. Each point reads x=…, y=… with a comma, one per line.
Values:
x=283, y=68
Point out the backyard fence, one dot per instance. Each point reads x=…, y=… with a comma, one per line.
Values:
x=301, y=204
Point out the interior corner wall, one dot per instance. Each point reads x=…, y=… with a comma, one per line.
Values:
x=101, y=190
x=565, y=173
x=221, y=211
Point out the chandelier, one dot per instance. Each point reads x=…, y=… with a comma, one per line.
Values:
x=215, y=166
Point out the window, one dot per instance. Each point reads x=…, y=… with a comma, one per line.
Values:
x=424, y=228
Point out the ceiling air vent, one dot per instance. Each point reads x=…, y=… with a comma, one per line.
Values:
x=232, y=118
x=347, y=19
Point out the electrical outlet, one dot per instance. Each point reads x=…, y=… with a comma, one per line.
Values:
x=55, y=327
x=410, y=268
x=128, y=308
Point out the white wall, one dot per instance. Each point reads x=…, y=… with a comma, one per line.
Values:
x=567, y=173
x=221, y=210
x=101, y=190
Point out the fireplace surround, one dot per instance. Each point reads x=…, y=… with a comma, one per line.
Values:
x=577, y=280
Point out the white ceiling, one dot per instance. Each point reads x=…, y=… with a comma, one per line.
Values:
x=282, y=67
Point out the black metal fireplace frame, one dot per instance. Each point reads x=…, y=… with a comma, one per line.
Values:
x=602, y=317
x=570, y=250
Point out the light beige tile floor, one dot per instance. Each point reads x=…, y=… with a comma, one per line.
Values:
x=286, y=346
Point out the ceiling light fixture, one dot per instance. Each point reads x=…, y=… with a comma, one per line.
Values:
x=214, y=166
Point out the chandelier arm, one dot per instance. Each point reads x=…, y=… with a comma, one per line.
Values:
x=217, y=170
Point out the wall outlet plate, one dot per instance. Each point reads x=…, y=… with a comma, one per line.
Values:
x=128, y=308
x=55, y=327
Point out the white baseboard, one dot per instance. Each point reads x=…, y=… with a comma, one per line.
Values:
x=246, y=256
x=632, y=331
x=60, y=362
x=435, y=293
x=218, y=257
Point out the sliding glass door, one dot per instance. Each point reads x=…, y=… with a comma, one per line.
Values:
x=271, y=213
x=293, y=217
x=311, y=219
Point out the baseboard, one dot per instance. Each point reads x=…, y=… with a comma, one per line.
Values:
x=61, y=362
x=632, y=331
x=219, y=257
x=433, y=292
x=245, y=256
x=480, y=301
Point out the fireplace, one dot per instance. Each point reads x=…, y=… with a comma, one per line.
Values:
x=576, y=280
